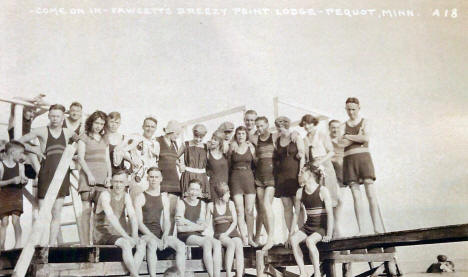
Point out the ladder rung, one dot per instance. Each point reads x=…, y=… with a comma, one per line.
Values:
x=68, y=204
x=68, y=223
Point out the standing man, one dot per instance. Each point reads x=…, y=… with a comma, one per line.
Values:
x=53, y=140
x=143, y=151
x=152, y=209
x=110, y=223
x=74, y=121
x=334, y=127
x=358, y=168
x=249, y=121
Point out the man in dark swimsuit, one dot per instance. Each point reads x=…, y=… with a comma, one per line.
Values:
x=152, y=208
x=53, y=140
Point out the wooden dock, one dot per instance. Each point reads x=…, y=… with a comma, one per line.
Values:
x=106, y=260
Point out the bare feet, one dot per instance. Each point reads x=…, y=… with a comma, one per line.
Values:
x=252, y=243
x=268, y=245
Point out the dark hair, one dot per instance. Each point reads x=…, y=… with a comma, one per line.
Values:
x=262, y=118
x=332, y=121
x=250, y=112
x=113, y=115
x=13, y=144
x=153, y=168
x=352, y=100
x=90, y=120
x=57, y=107
x=195, y=180
x=76, y=104
x=308, y=119
x=171, y=271
x=150, y=118
x=241, y=128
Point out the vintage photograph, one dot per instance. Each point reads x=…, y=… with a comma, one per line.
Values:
x=233, y=138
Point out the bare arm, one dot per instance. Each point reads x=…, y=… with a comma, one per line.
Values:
x=166, y=215
x=11, y=120
x=131, y=216
x=209, y=213
x=113, y=220
x=108, y=164
x=297, y=209
x=183, y=224
x=363, y=135
x=300, y=152
x=328, y=147
x=138, y=203
x=325, y=195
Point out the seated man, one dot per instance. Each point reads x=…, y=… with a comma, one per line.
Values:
x=110, y=223
x=190, y=222
x=150, y=207
x=442, y=265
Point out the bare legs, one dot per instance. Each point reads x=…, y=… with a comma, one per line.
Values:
x=311, y=242
x=373, y=205
x=55, y=222
x=85, y=220
x=15, y=219
x=132, y=262
x=3, y=229
x=211, y=253
x=265, y=196
x=245, y=217
x=233, y=246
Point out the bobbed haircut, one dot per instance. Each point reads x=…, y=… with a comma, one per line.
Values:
x=93, y=117
x=308, y=119
x=241, y=128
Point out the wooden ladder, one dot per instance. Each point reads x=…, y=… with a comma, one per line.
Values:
x=76, y=204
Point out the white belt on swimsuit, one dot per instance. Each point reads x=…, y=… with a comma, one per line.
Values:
x=195, y=170
x=356, y=150
x=316, y=211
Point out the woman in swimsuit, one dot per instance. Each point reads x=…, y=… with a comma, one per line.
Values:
x=241, y=156
x=223, y=212
x=217, y=166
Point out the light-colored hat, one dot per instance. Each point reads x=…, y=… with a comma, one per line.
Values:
x=173, y=127
x=199, y=130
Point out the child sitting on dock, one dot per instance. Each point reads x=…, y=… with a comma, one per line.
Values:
x=224, y=215
x=190, y=222
x=12, y=180
x=319, y=224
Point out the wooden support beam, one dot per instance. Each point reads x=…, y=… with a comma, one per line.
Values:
x=214, y=115
x=441, y=234
x=347, y=270
x=16, y=101
x=76, y=202
x=49, y=199
x=275, y=107
x=30, y=198
x=18, y=123
x=260, y=262
x=319, y=114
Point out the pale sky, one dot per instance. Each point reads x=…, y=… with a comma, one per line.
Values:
x=409, y=73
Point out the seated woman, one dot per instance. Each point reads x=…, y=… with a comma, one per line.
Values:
x=190, y=222
x=319, y=224
x=224, y=216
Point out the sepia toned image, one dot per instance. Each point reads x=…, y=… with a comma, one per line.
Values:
x=222, y=138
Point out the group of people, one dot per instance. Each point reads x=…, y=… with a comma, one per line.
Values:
x=155, y=193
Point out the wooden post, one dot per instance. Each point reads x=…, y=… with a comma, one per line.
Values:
x=275, y=107
x=260, y=263
x=330, y=268
x=38, y=227
x=347, y=269
x=18, y=124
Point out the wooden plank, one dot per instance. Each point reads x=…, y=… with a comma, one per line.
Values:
x=109, y=268
x=347, y=269
x=50, y=197
x=213, y=116
x=260, y=262
x=16, y=101
x=30, y=198
x=18, y=123
x=441, y=234
x=321, y=115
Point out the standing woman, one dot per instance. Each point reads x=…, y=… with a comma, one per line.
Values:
x=289, y=159
x=217, y=163
x=96, y=171
x=195, y=159
x=241, y=156
x=223, y=212
x=319, y=152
